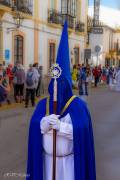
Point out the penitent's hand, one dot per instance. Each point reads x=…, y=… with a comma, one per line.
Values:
x=55, y=122
x=49, y=122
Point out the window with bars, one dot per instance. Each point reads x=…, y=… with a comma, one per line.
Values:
x=18, y=49
x=68, y=7
x=51, y=54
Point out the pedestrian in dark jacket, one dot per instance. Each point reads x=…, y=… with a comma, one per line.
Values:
x=83, y=84
x=20, y=80
x=96, y=75
x=31, y=85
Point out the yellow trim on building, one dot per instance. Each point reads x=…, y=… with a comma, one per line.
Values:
x=55, y=3
x=1, y=46
x=78, y=9
x=4, y=9
x=1, y=41
x=86, y=45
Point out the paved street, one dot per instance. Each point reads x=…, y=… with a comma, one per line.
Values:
x=105, y=111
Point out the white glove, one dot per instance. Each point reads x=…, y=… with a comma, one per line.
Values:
x=49, y=122
x=54, y=121
x=45, y=125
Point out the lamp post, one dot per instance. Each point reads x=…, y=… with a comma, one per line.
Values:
x=18, y=19
x=17, y=16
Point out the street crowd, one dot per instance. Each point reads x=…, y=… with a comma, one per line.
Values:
x=82, y=75
x=26, y=85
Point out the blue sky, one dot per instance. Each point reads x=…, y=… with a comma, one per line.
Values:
x=108, y=3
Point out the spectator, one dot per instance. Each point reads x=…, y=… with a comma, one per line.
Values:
x=96, y=75
x=10, y=74
x=83, y=84
x=3, y=90
x=103, y=74
x=15, y=79
x=39, y=87
x=1, y=70
x=31, y=85
x=20, y=80
x=111, y=72
x=74, y=76
x=36, y=69
x=5, y=83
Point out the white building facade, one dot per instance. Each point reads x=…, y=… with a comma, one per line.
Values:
x=105, y=41
x=37, y=39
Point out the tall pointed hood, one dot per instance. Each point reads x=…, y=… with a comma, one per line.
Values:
x=64, y=82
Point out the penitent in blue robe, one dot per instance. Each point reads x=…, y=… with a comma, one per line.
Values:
x=84, y=156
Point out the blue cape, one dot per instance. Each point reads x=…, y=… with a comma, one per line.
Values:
x=84, y=156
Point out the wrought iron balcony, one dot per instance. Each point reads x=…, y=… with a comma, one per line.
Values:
x=6, y=2
x=58, y=18
x=79, y=27
x=24, y=6
x=91, y=23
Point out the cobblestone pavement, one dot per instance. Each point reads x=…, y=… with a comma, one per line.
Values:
x=105, y=110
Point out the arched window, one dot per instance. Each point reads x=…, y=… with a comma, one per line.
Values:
x=18, y=49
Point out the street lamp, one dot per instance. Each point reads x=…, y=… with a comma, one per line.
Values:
x=18, y=18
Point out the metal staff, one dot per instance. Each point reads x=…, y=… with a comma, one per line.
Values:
x=55, y=73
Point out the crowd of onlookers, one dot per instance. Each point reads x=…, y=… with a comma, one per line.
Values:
x=82, y=75
x=24, y=84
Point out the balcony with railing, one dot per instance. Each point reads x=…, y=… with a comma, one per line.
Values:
x=59, y=18
x=5, y=2
x=91, y=23
x=79, y=27
x=25, y=6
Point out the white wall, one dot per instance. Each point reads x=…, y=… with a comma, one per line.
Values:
x=117, y=38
